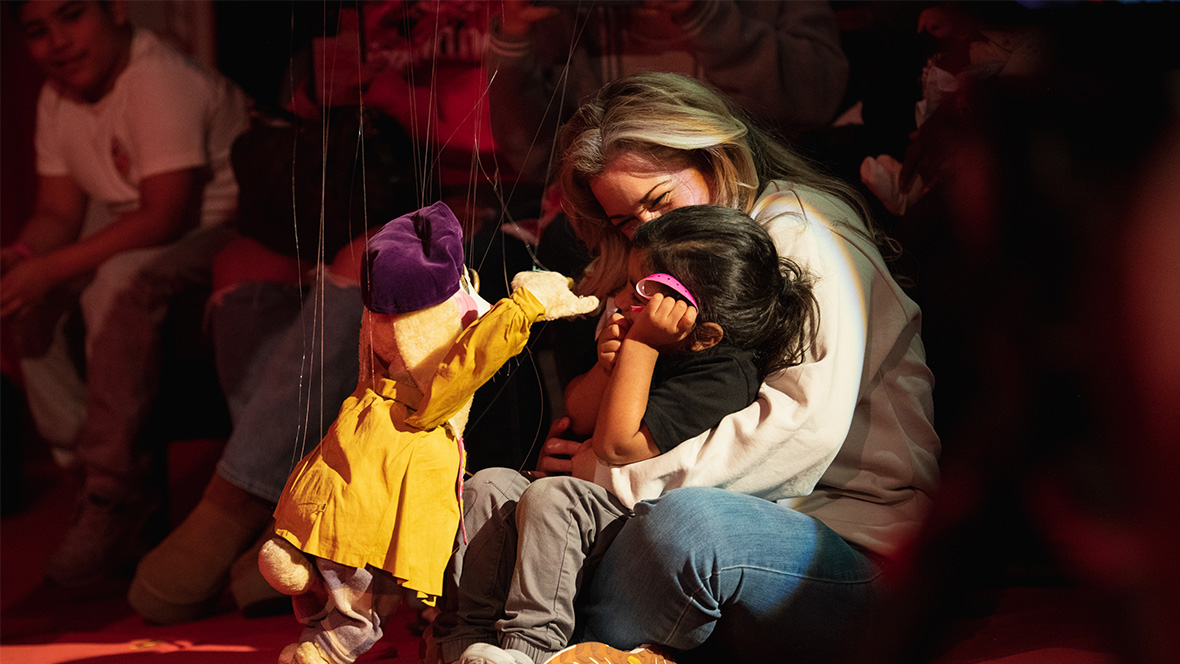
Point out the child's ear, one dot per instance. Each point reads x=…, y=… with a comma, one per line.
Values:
x=707, y=336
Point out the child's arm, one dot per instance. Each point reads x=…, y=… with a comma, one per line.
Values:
x=584, y=393
x=620, y=436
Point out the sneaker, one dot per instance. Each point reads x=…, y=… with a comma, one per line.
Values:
x=106, y=536
x=593, y=652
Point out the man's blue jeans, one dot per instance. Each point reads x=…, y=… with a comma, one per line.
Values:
x=732, y=578
x=286, y=361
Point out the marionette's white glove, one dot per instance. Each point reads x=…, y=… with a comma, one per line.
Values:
x=552, y=289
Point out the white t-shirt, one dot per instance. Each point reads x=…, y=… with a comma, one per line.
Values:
x=848, y=434
x=164, y=113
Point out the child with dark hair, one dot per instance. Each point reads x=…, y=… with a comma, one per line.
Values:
x=709, y=311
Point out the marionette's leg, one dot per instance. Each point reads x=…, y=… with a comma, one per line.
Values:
x=343, y=614
x=286, y=568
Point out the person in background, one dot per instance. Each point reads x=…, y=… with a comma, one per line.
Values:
x=782, y=61
x=129, y=124
x=286, y=312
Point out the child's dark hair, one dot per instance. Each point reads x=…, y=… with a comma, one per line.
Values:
x=763, y=302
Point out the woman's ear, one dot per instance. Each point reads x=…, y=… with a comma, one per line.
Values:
x=706, y=336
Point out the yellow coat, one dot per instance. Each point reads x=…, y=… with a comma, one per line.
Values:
x=380, y=489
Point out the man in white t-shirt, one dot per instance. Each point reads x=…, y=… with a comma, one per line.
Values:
x=128, y=124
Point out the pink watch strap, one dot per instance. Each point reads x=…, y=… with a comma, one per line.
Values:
x=667, y=280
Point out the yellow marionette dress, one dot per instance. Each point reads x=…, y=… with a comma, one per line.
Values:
x=380, y=488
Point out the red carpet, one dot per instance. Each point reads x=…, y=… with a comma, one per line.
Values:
x=44, y=625
x=41, y=625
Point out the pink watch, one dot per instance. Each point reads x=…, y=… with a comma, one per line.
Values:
x=666, y=280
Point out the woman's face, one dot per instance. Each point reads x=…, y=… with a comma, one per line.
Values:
x=633, y=190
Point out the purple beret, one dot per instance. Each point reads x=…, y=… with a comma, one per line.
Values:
x=413, y=262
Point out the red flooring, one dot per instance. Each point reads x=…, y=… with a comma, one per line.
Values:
x=1028, y=625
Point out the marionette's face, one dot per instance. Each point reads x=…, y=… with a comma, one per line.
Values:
x=81, y=46
x=412, y=345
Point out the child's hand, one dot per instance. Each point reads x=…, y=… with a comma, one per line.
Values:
x=611, y=340
x=665, y=321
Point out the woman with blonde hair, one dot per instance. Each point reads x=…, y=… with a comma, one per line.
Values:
x=765, y=537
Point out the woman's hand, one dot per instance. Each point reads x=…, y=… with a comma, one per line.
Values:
x=557, y=453
x=664, y=322
x=611, y=340
x=585, y=462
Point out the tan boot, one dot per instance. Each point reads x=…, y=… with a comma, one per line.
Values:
x=184, y=577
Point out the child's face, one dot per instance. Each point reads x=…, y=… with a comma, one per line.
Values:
x=79, y=45
x=637, y=269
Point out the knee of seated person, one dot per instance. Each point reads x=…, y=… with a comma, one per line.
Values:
x=666, y=518
x=549, y=491
x=491, y=482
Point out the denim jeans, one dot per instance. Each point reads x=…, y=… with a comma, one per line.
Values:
x=286, y=362
x=732, y=578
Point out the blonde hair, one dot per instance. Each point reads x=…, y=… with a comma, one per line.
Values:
x=675, y=121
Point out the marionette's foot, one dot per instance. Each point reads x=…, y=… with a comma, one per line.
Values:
x=307, y=652
x=253, y=595
x=285, y=568
x=184, y=577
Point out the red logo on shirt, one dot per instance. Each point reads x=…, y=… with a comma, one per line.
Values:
x=120, y=157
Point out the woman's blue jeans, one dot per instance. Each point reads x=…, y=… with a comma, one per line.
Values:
x=732, y=578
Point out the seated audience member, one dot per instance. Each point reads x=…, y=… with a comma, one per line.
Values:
x=707, y=561
x=781, y=60
x=128, y=123
x=286, y=314
x=709, y=309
